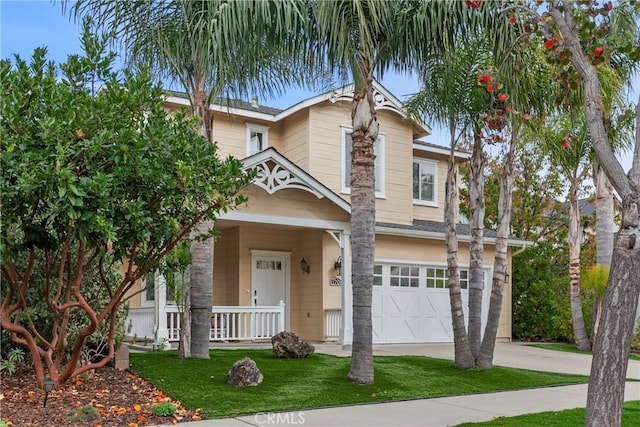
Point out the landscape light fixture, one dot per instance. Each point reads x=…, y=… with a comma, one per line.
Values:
x=48, y=385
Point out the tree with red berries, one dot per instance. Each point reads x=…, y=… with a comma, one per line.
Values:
x=609, y=366
x=468, y=90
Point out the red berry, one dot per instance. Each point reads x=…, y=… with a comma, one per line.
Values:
x=507, y=109
x=608, y=6
x=487, y=78
x=473, y=4
x=598, y=51
x=526, y=116
x=502, y=97
x=565, y=144
x=512, y=20
x=489, y=88
x=549, y=44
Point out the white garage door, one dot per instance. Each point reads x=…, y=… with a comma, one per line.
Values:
x=411, y=304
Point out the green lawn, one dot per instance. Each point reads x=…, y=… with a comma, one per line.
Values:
x=572, y=349
x=567, y=418
x=321, y=380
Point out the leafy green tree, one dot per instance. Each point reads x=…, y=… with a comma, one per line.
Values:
x=89, y=176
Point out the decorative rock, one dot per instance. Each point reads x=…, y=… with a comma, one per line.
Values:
x=244, y=373
x=288, y=345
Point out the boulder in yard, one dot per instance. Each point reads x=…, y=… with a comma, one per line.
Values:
x=244, y=373
x=288, y=345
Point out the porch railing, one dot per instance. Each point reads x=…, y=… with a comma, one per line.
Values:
x=333, y=322
x=228, y=323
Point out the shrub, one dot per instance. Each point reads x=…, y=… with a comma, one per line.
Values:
x=15, y=357
x=541, y=309
x=163, y=409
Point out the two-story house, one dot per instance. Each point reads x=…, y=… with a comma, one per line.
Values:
x=282, y=261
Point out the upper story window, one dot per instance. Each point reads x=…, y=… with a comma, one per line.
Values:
x=257, y=138
x=378, y=150
x=424, y=182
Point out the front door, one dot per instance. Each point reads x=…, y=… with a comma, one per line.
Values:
x=269, y=273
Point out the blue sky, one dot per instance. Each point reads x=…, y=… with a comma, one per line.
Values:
x=27, y=24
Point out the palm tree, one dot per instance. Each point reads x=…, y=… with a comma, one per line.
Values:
x=211, y=48
x=450, y=96
x=359, y=39
x=567, y=141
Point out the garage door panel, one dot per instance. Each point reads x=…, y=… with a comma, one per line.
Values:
x=405, y=329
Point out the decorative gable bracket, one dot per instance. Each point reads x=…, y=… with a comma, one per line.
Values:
x=381, y=100
x=273, y=177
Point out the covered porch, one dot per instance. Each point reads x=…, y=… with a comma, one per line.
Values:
x=281, y=262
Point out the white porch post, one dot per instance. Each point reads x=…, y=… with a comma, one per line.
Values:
x=161, y=338
x=346, y=331
x=281, y=318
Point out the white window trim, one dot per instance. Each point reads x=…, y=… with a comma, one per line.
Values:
x=256, y=128
x=343, y=156
x=420, y=202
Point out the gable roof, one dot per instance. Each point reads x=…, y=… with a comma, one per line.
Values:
x=276, y=172
x=384, y=100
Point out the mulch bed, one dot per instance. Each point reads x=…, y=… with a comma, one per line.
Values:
x=120, y=398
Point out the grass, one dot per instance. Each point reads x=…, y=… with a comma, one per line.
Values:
x=572, y=349
x=566, y=418
x=321, y=380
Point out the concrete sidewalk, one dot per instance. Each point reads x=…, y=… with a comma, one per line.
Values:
x=448, y=411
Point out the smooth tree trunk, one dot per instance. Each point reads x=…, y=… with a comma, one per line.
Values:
x=476, y=226
x=500, y=263
x=613, y=343
x=184, y=346
x=605, y=396
x=201, y=293
x=463, y=358
x=604, y=217
x=579, y=329
x=365, y=132
x=604, y=233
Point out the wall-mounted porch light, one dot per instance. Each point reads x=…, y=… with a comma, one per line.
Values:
x=304, y=266
x=337, y=266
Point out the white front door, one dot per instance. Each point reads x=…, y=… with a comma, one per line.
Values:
x=269, y=279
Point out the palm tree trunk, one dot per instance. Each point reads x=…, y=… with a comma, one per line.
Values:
x=365, y=132
x=201, y=282
x=613, y=342
x=579, y=330
x=476, y=274
x=462, y=351
x=201, y=293
x=485, y=358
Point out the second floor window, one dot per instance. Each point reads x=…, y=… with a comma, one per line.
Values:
x=257, y=138
x=424, y=182
x=378, y=150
